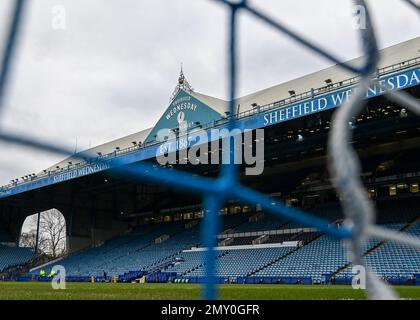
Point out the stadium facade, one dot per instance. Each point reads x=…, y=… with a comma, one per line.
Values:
x=129, y=227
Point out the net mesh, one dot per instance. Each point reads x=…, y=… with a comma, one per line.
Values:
x=344, y=163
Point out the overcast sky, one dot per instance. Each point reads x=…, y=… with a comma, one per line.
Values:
x=111, y=71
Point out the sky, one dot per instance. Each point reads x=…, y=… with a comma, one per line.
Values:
x=111, y=71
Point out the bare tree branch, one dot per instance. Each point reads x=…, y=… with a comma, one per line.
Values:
x=52, y=230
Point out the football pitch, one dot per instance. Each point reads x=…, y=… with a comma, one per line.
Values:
x=128, y=291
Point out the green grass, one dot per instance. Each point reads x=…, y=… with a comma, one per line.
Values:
x=104, y=291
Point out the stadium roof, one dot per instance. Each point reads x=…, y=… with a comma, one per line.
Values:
x=389, y=56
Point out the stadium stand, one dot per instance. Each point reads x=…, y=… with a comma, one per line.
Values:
x=132, y=252
x=395, y=263
x=298, y=257
x=162, y=237
x=250, y=261
x=394, y=260
x=323, y=256
x=14, y=256
x=266, y=223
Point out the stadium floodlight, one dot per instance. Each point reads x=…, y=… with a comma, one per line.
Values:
x=256, y=107
x=292, y=93
x=328, y=82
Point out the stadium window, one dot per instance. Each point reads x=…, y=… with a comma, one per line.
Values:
x=403, y=188
x=234, y=210
x=372, y=193
x=392, y=190
x=188, y=216
x=246, y=209
x=292, y=202
x=414, y=188
x=178, y=217
x=158, y=219
x=198, y=214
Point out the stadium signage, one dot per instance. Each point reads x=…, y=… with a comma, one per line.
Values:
x=404, y=80
x=180, y=105
x=334, y=100
x=90, y=169
x=186, y=109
